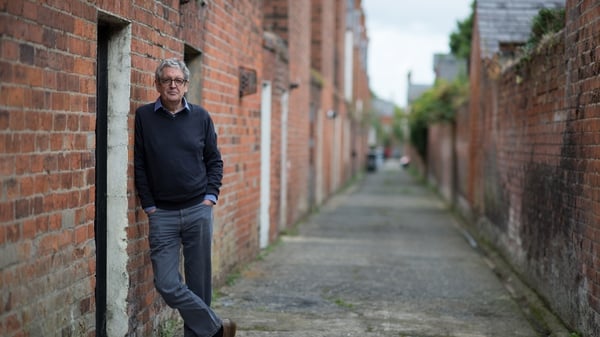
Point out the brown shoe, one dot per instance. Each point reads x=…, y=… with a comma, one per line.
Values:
x=228, y=328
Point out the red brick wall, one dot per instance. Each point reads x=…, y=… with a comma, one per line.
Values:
x=47, y=144
x=299, y=116
x=475, y=73
x=462, y=138
x=324, y=43
x=533, y=165
x=358, y=114
x=342, y=150
x=440, y=158
x=47, y=123
x=47, y=132
x=233, y=39
x=526, y=160
x=291, y=20
x=276, y=70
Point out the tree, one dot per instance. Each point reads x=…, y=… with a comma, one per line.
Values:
x=460, y=39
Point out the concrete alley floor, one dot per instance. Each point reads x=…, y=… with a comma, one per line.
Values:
x=384, y=258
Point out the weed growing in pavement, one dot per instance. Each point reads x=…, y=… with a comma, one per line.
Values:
x=343, y=304
x=232, y=278
x=168, y=328
x=216, y=295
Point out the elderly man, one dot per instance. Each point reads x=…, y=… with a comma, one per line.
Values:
x=178, y=172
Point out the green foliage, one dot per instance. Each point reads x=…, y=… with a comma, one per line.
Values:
x=438, y=104
x=418, y=132
x=460, y=39
x=376, y=123
x=547, y=21
x=398, y=124
x=168, y=328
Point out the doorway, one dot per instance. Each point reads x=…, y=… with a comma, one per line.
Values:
x=112, y=147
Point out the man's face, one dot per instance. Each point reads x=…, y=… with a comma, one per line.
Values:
x=171, y=85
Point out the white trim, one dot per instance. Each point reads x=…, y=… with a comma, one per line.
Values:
x=117, y=277
x=265, y=164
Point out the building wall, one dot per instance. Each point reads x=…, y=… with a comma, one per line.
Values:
x=47, y=160
x=47, y=236
x=532, y=179
x=441, y=158
x=234, y=38
x=48, y=145
x=462, y=176
x=475, y=71
x=291, y=19
x=358, y=110
x=299, y=112
x=323, y=35
x=276, y=70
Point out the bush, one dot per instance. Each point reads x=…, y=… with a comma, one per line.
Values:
x=547, y=21
x=438, y=104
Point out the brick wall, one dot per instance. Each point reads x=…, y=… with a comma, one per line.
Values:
x=299, y=112
x=341, y=149
x=441, y=159
x=47, y=160
x=462, y=134
x=324, y=53
x=233, y=39
x=475, y=73
x=358, y=112
x=531, y=184
x=276, y=70
x=48, y=70
x=579, y=160
x=47, y=138
x=291, y=20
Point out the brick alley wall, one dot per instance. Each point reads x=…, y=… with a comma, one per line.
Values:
x=323, y=39
x=298, y=148
x=48, y=144
x=359, y=111
x=50, y=71
x=462, y=137
x=47, y=160
x=291, y=21
x=541, y=191
x=533, y=184
x=441, y=159
x=234, y=39
x=276, y=70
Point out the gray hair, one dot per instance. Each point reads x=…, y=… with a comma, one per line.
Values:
x=172, y=63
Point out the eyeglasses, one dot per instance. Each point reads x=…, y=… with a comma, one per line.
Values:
x=167, y=81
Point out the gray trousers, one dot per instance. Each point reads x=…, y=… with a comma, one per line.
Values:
x=191, y=228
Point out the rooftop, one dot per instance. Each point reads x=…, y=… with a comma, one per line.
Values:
x=507, y=21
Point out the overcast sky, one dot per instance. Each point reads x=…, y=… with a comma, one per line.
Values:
x=403, y=36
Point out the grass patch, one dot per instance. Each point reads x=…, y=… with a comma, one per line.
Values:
x=168, y=328
x=342, y=304
x=232, y=278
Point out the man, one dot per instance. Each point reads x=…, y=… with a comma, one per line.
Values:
x=178, y=172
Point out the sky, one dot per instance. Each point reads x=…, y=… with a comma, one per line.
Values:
x=403, y=37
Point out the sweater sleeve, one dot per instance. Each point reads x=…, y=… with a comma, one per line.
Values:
x=140, y=164
x=212, y=160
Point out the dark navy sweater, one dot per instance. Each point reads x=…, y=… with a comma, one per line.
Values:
x=176, y=158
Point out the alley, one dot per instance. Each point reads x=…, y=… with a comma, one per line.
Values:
x=384, y=258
